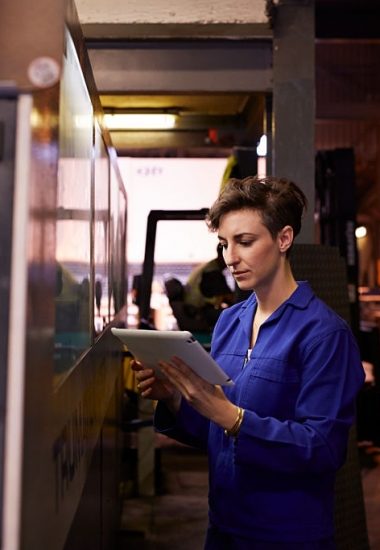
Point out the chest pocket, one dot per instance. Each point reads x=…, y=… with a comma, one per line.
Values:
x=270, y=387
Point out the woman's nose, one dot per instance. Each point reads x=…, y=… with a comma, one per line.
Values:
x=230, y=257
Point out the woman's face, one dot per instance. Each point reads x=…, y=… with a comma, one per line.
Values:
x=249, y=250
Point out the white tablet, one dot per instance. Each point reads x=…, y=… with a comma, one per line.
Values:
x=152, y=346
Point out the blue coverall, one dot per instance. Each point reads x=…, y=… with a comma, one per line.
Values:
x=275, y=481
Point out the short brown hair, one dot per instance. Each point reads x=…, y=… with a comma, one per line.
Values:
x=279, y=201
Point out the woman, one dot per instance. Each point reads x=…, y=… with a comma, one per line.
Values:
x=277, y=437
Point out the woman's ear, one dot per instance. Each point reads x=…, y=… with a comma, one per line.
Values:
x=285, y=238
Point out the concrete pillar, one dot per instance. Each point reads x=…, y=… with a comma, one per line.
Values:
x=294, y=100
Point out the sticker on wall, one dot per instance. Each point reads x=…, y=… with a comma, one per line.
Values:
x=44, y=72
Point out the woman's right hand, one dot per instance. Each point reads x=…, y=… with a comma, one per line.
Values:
x=151, y=387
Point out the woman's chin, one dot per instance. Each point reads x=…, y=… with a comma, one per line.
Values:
x=244, y=285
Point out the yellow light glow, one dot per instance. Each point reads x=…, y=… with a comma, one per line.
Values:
x=142, y=121
x=360, y=232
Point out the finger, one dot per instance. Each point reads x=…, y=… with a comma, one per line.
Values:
x=172, y=371
x=173, y=375
x=143, y=384
x=181, y=365
x=177, y=368
x=186, y=370
x=186, y=380
x=146, y=392
x=180, y=380
x=144, y=374
x=136, y=365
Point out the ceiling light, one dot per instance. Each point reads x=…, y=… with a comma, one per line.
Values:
x=360, y=232
x=140, y=121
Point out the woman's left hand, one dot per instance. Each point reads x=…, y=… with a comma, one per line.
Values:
x=208, y=399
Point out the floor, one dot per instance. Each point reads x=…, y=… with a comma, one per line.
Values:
x=176, y=518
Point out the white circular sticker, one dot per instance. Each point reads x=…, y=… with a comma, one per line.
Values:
x=43, y=72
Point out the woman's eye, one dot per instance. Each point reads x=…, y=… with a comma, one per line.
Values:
x=246, y=243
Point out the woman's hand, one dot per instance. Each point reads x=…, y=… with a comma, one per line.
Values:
x=207, y=399
x=151, y=387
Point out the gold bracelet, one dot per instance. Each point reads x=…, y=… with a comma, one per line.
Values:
x=237, y=429
x=233, y=432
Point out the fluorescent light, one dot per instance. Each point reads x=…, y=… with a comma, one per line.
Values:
x=141, y=121
x=360, y=232
x=261, y=149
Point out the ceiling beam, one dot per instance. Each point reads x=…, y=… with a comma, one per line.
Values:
x=158, y=67
x=165, y=19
